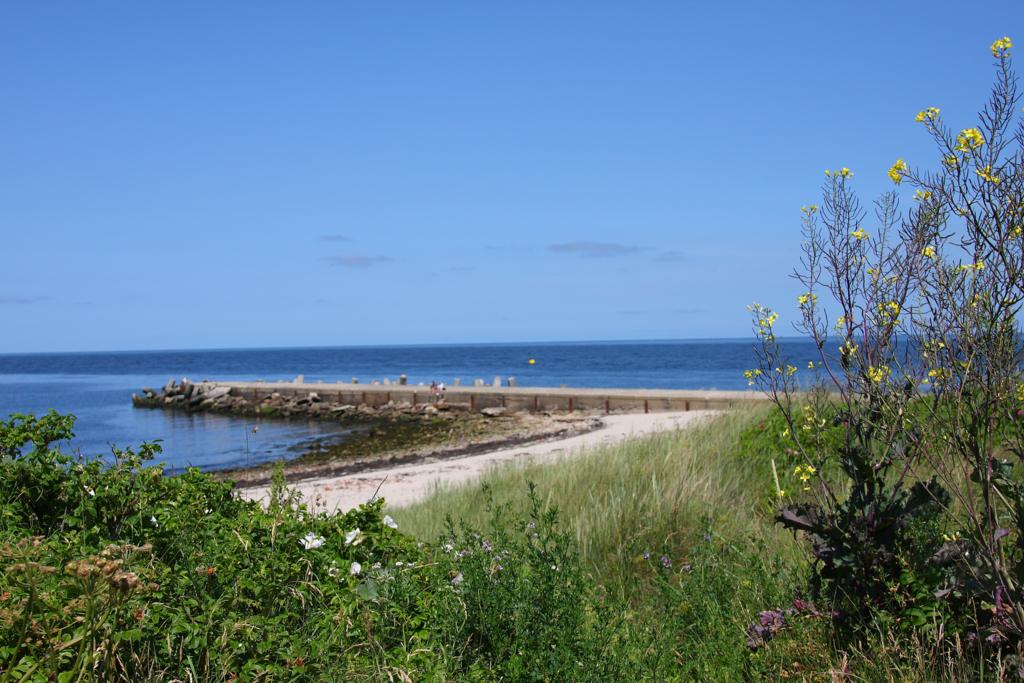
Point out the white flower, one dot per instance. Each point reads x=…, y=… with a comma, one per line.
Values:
x=207, y=511
x=355, y=569
x=311, y=541
x=376, y=565
x=353, y=537
x=457, y=580
x=390, y=522
x=153, y=521
x=447, y=547
x=333, y=571
x=89, y=491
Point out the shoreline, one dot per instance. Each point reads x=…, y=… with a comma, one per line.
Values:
x=406, y=483
x=397, y=424
x=497, y=433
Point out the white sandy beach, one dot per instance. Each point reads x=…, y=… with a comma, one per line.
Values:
x=402, y=485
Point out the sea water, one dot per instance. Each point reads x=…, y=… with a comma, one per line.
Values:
x=97, y=387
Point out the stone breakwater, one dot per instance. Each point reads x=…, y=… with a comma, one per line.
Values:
x=343, y=400
x=213, y=397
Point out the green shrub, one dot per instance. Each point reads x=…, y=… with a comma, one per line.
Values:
x=121, y=573
x=529, y=605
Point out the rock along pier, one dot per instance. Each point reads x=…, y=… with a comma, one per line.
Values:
x=298, y=397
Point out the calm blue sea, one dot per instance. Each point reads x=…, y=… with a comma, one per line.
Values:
x=97, y=387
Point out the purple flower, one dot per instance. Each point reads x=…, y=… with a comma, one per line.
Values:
x=486, y=545
x=666, y=561
x=647, y=554
x=769, y=622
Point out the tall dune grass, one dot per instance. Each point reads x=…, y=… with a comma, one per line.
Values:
x=662, y=494
x=653, y=493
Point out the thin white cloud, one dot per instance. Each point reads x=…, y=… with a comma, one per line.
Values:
x=356, y=260
x=588, y=249
x=670, y=256
x=22, y=300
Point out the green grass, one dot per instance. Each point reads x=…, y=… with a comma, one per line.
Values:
x=663, y=493
x=653, y=493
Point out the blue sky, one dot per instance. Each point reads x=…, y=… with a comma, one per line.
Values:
x=235, y=174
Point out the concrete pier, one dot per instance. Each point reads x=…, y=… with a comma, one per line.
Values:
x=515, y=398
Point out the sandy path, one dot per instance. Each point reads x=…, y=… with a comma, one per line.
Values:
x=409, y=483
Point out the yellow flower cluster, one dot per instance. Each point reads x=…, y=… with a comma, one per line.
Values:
x=1001, y=47
x=859, y=234
x=841, y=173
x=808, y=298
x=929, y=252
x=987, y=175
x=810, y=365
x=898, y=170
x=951, y=161
x=969, y=140
x=813, y=208
x=766, y=318
x=922, y=195
x=751, y=375
x=848, y=348
x=812, y=421
x=1020, y=393
x=878, y=374
x=978, y=266
x=927, y=115
x=938, y=375
x=805, y=472
x=888, y=311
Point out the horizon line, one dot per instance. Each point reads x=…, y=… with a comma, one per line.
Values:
x=318, y=347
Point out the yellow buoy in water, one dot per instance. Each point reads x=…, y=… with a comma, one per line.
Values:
x=532, y=361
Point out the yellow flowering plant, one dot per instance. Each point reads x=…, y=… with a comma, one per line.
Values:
x=927, y=384
x=898, y=170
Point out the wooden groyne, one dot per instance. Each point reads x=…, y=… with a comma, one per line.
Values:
x=290, y=396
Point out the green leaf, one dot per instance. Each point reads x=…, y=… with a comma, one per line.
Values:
x=130, y=635
x=367, y=590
